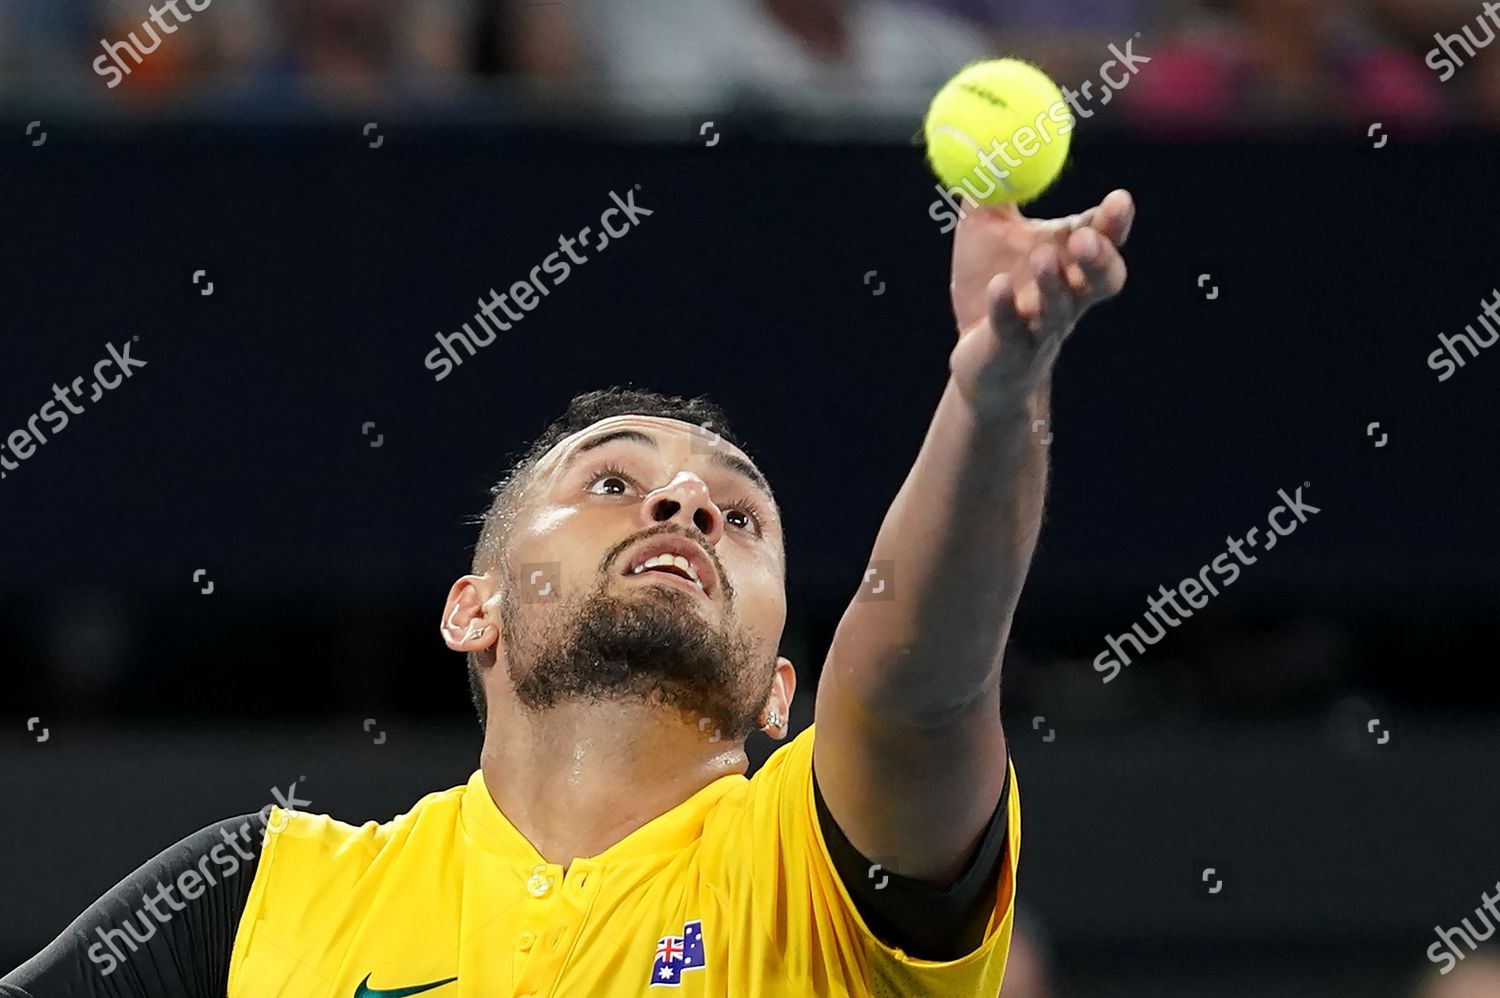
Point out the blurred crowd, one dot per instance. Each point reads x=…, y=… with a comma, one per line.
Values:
x=1230, y=63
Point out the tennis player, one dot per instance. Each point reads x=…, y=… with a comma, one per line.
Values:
x=621, y=623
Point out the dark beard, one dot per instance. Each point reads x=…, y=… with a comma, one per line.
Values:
x=651, y=648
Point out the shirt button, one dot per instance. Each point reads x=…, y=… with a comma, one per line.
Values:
x=524, y=941
x=539, y=885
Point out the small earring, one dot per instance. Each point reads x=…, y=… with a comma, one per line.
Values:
x=773, y=720
x=477, y=632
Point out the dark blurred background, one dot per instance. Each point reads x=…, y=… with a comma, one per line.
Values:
x=1316, y=206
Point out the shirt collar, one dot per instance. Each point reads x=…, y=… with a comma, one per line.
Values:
x=669, y=832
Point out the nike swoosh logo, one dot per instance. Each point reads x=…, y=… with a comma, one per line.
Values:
x=365, y=991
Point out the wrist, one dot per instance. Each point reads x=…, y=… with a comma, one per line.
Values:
x=1006, y=403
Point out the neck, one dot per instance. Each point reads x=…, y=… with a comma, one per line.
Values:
x=577, y=778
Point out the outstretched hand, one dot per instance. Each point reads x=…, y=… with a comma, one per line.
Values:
x=1020, y=285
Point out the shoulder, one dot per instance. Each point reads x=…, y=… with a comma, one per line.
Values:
x=307, y=855
x=321, y=836
x=316, y=871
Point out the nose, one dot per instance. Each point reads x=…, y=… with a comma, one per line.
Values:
x=685, y=501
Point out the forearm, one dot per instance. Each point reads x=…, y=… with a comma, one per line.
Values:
x=960, y=535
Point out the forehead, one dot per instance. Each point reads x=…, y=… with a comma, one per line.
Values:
x=668, y=432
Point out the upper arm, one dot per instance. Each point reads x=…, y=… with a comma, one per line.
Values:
x=929, y=921
x=917, y=794
x=827, y=925
x=118, y=947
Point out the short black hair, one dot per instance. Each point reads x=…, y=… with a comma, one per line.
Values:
x=582, y=412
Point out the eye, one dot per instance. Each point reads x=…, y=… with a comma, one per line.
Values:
x=610, y=474
x=745, y=515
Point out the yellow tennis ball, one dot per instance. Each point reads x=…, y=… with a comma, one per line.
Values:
x=998, y=131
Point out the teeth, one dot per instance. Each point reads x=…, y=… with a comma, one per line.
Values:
x=674, y=560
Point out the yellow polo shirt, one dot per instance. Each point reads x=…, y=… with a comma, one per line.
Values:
x=731, y=893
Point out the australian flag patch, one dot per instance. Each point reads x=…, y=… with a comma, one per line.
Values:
x=676, y=955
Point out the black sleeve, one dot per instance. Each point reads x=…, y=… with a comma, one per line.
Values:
x=165, y=931
x=924, y=920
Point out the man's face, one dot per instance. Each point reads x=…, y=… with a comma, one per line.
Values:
x=664, y=558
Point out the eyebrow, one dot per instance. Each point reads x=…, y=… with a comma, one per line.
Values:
x=731, y=462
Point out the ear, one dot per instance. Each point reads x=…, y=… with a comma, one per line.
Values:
x=467, y=625
x=783, y=687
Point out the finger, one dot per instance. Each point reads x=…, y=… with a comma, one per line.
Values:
x=1102, y=267
x=1003, y=314
x=1054, y=296
x=1085, y=244
x=1028, y=292
x=1114, y=216
x=1065, y=231
x=1038, y=275
x=1111, y=217
x=1059, y=228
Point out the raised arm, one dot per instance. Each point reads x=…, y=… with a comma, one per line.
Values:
x=910, y=756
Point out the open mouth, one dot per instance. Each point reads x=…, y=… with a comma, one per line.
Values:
x=676, y=564
x=673, y=561
x=674, y=567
